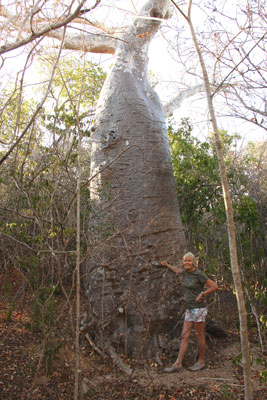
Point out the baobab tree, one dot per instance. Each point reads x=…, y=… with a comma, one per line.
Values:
x=130, y=301
x=134, y=188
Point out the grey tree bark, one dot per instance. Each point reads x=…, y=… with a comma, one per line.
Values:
x=130, y=300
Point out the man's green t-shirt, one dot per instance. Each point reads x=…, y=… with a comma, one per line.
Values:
x=194, y=285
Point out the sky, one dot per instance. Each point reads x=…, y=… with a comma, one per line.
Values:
x=164, y=66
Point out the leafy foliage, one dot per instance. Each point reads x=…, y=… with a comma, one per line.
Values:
x=196, y=174
x=38, y=191
x=202, y=209
x=74, y=95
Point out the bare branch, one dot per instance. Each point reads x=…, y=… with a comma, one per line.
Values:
x=175, y=103
x=38, y=109
x=240, y=62
x=45, y=29
x=18, y=241
x=29, y=16
x=94, y=43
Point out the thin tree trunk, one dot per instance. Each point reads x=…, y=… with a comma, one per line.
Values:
x=76, y=110
x=78, y=280
x=78, y=249
x=229, y=215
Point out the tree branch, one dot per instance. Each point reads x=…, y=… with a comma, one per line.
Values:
x=42, y=31
x=176, y=102
x=237, y=65
x=36, y=112
x=94, y=43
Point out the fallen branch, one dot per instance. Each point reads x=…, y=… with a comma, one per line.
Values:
x=221, y=379
x=96, y=349
x=217, y=379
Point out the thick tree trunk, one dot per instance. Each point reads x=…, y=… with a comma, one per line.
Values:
x=131, y=301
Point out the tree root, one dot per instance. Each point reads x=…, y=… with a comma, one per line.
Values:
x=118, y=360
x=112, y=353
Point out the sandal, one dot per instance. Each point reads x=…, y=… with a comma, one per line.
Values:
x=173, y=368
x=197, y=367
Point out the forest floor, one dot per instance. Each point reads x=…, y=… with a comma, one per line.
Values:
x=24, y=375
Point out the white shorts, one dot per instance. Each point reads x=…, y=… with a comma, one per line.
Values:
x=196, y=315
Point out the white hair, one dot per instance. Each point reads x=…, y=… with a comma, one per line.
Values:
x=191, y=255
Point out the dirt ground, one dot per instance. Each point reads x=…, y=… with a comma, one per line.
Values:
x=26, y=375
